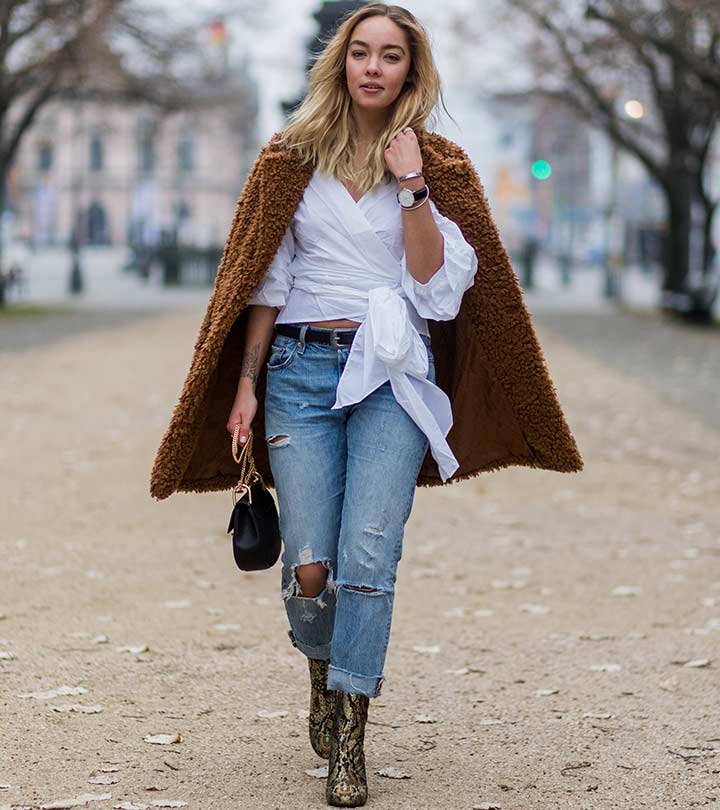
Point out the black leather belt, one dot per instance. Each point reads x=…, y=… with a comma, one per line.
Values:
x=337, y=338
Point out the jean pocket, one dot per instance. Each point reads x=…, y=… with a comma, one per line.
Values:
x=282, y=352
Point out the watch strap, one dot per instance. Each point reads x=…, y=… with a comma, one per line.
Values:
x=418, y=195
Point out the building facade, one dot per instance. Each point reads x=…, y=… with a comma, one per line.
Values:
x=116, y=172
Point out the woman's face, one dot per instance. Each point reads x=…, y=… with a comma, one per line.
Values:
x=379, y=54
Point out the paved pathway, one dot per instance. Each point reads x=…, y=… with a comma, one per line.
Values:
x=555, y=644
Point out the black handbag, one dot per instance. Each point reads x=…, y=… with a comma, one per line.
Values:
x=254, y=520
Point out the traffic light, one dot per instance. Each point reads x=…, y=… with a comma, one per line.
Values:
x=541, y=170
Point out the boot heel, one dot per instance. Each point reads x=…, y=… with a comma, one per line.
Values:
x=322, y=708
x=347, y=780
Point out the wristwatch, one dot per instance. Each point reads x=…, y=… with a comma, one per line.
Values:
x=407, y=197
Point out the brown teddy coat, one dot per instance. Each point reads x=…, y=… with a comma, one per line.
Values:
x=487, y=359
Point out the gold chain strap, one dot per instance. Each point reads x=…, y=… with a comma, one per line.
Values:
x=248, y=473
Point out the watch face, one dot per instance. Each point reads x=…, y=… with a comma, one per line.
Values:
x=406, y=197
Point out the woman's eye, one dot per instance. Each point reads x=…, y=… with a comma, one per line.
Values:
x=392, y=57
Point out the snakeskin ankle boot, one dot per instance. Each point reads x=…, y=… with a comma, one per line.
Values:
x=347, y=782
x=322, y=708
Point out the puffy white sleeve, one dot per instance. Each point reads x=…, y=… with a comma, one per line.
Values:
x=273, y=290
x=439, y=299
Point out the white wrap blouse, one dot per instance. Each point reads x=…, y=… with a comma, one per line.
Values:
x=345, y=259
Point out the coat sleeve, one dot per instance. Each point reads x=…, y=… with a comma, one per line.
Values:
x=273, y=290
x=439, y=298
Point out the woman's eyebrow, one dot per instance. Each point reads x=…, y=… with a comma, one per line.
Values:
x=360, y=42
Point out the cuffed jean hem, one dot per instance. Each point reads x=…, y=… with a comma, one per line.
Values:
x=319, y=651
x=344, y=681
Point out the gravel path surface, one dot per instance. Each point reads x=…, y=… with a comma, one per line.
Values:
x=555, y=642
x=681, y=363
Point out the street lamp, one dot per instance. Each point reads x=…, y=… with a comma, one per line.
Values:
x=76, y=281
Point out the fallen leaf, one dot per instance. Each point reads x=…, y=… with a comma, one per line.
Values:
x=204, y=584
x=527, y=607
x=625, y=590
x=318, y=773
x=133, y=648
x=103, y=780
x=544, y=692
x=393, y=773
x=61, y=690
x=432, y=649
x=162, y=739
x=85, y=798
x=698, y=662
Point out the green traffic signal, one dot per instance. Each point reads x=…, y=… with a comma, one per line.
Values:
x=541, y=169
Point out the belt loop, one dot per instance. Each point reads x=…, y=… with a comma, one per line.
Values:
x=301, y=336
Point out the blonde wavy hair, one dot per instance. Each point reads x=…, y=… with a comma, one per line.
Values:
x=322, y=129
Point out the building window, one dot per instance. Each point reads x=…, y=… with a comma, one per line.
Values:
x=186, y=154
x=146, y=147
x=96, y=153
x=97, y=225
x=44, y=157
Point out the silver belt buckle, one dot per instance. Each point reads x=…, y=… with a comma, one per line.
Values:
x=334, y=340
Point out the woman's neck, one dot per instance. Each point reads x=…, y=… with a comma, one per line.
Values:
x=368, y=127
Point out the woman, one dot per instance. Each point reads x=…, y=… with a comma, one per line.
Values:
x=383, y=339
x=333, y=422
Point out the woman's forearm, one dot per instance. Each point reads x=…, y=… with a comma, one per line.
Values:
x=424, y=244
x=258, y=334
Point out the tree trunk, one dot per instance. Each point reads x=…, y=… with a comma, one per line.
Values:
x=3, y=188
x=690, y=284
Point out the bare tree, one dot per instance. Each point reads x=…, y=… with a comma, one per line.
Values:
x=585, y=53
x=58, y=48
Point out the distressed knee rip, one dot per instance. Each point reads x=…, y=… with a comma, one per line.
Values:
x=294, y=587
x=279, y=440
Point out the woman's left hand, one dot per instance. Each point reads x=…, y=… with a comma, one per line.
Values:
x=403, y=155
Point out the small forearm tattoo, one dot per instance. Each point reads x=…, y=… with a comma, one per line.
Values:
x=250, y=363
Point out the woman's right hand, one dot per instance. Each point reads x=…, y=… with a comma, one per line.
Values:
x=243, y=412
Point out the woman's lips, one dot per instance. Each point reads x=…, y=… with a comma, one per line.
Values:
x=371, y=89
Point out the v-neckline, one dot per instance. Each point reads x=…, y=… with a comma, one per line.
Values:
x=358, y=201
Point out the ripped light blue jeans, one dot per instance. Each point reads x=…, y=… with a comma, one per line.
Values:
x=345, y=481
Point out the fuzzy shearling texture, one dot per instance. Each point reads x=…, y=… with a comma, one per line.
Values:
x=487, y=359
